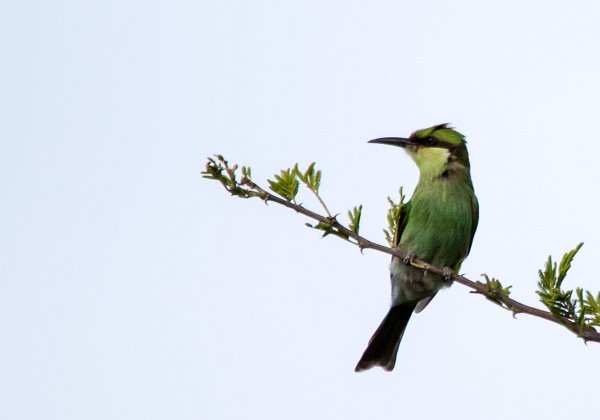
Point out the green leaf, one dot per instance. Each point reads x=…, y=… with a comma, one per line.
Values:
x=354, y=216
x=393, y=215
x=565, y=263
x=286, y=184
x=310, y=177
x=327, y=230
x=296, y=172
x=247, y=172
x=593, y=309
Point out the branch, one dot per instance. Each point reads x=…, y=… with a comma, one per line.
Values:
x=286, y=185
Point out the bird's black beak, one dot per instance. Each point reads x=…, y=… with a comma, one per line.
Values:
x=393, y=141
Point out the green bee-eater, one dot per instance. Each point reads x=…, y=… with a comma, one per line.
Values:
x=437, y=225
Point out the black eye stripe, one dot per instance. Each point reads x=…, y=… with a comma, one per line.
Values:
x=432, y=141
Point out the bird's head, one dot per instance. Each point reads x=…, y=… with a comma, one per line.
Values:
x=435, y=150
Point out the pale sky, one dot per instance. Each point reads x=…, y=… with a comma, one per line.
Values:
x=131, y=288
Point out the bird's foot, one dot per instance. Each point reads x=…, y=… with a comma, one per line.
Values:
x=408, y=260
x=447, y=274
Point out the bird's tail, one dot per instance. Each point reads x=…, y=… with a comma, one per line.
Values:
x=383, y=346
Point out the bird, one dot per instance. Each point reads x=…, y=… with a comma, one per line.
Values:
x=436, y=225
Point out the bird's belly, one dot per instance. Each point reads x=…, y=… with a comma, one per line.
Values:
x=410, y=284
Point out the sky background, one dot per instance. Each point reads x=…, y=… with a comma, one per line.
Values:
x=131, y=288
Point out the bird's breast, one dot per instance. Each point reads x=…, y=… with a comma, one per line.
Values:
x=440, y=222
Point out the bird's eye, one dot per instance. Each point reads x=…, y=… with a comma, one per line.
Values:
x=430, y=140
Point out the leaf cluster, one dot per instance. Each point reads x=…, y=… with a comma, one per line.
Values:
x=218, y=169
x=393, y=216
x=286, y=184
x=494, y=290
x=579, y=307
x=311, y=177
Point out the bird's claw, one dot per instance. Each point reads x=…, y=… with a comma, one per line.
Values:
x=447, y=274
x=408, y=259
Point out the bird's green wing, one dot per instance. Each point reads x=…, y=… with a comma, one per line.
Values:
x=474, y=219
x=403, y=212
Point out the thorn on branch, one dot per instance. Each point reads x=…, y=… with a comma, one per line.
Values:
x=361, y=245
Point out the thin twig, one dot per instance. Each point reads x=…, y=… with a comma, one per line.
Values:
x=245, y=188
x=589, y=334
